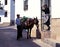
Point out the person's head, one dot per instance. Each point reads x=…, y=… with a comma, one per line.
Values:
x=45, y=6
x=18, y=15
x=36, y=17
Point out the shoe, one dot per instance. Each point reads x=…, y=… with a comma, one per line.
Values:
x=18, y=38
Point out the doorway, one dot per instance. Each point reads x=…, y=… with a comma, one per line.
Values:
x=45, y=15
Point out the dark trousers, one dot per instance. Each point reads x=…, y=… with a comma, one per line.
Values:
x=19, y=31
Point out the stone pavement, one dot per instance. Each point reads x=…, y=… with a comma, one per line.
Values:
x=8, y=36
x=8, y=39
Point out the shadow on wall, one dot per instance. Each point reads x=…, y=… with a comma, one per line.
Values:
x=2, y=12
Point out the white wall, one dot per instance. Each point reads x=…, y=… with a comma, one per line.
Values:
x=19, y=7
x=7, y=7
x=10, y=11
x=33, y=8
x=55, y=8
x=2, y=12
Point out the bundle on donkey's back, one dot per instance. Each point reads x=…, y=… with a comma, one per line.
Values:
x=28, y=23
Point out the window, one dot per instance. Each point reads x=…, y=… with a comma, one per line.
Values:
x=25, y=5
x=5, y=2
x=5, y=13
x=1, y=6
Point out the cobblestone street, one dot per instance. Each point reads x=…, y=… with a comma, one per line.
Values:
x=8, y=39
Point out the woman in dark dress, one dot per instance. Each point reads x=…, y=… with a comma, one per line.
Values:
x=47, y=12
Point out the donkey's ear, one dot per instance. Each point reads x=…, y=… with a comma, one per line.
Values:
x=34, y=18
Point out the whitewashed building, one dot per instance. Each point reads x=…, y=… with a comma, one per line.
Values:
x=13, y=7
x=33, y=9
x=7, y=14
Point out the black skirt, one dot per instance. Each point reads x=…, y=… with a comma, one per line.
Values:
x=48, y=21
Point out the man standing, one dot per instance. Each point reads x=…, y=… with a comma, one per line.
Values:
x=47, y=12
x=19, y=28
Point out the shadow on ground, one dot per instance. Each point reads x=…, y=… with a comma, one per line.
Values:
x=8, y=39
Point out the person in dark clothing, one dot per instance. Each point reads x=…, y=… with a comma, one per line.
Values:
x=19, y=28
x=37, y=23
x=47, y=12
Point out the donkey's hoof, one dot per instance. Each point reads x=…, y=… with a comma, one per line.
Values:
x=30, y=37
x=27, y=38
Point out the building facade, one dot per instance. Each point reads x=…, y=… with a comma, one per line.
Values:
x=28, y=8
x=33, y=8
x=8, y=11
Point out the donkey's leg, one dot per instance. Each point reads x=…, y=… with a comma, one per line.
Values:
x=28, y=34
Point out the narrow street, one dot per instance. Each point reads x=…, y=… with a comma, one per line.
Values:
x=8, y=39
